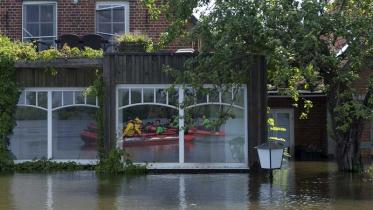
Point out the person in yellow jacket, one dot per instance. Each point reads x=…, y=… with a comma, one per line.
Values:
x=132, y=128
x=129, y=130
x=138, y=125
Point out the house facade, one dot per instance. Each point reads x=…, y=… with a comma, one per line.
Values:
x=30, y=20
x=47, y=110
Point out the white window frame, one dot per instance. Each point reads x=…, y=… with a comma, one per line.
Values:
x=126, y=15
x=40, y=3
x=50, y=111
x=181, y=163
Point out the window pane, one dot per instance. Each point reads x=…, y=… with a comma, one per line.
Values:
x=148, y=145
x=104, y=16
x=201, y=97
x=45, y=43
x=118, y=28
x=123, y=95
x=30, y=98
x=118, y=14
x=160, y=96
x=79, y=97
x=32, y=29
x=227, y=96
x=104, y=28
x=43, y=99
x=32, y=13
x=173, y=97
x=215, y=142
x=74, y=133
x=46, y=13
x=239, y=97
x=21, y=99
x=135, y=96
x=214, y=96
x=46, y=29
x=91, y=100
x=148, y=95
x=56, y=99
x=29, y=138
x=67, y=98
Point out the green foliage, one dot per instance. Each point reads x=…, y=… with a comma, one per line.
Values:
x=9, y=93
x=6, y=161
x=40, y=166
x=133, y=42
x=113, y=164
x=27, y=51
x=45, y=165
x=273, y=127
x=98, y=90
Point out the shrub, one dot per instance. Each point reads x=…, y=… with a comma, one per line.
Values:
x=45, y=165
x=113, y=165
x=134, y=43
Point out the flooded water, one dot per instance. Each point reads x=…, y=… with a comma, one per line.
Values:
x=302, y=185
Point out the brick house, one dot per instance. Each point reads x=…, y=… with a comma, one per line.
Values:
x=47, y=20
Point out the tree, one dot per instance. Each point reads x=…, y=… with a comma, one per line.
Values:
x=309, y=44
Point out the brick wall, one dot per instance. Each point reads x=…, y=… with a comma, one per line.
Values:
x=311, y=132
x=80, y=19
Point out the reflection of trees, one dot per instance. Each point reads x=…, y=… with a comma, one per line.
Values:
x=108, y=189
x=76, y=113
x=237, y=148
x=149, y=111
x=6, y=195
x=29, y=113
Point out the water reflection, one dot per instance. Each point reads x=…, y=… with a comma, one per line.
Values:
x=302, y=185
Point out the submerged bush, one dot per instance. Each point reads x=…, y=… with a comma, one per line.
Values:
x=113, y=165
x=6, y=161
x=45, y=165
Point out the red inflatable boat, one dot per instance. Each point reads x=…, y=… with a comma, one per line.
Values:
x=155, y=140
x=200, y=132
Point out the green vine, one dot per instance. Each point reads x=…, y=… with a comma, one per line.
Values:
x=97, y=89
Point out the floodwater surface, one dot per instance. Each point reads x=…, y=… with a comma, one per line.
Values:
x=301, y=185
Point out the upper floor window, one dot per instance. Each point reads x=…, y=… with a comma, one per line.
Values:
x=112, y=18
x=39, y=23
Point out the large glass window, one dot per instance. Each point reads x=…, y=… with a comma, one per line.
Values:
x=207, y=138
x=216, y=140
x=144, y=124
x=58, y=124
x=74, y=133
x=39, y=23
x=112, y=18
x=29, y=139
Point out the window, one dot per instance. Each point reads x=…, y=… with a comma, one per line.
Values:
x=56, y=123
x=39, y=23
x=205, y=139
x=112, y=18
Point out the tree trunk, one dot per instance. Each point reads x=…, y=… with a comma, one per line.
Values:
x=348, y=151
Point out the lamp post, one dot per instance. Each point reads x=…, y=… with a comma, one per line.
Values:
x=270, y=156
